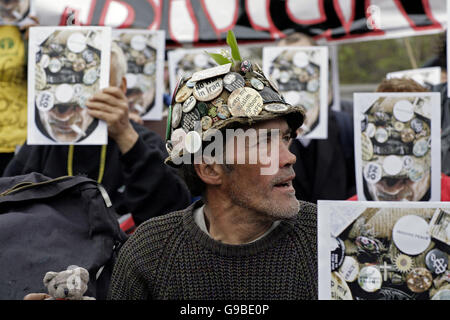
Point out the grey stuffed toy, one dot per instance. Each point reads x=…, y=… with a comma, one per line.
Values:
x=69, y=284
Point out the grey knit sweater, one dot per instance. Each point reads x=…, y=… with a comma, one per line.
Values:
x=169, y=257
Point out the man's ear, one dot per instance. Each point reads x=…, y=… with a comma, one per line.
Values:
x=209, y=173
x=123, y=85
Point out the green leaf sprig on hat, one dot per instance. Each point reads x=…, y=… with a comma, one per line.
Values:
x=224, y=58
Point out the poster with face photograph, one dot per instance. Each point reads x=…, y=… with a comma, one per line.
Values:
x=187, y=61
x=426, y=77
x=66, y=67
x=397, y=146
x=383, y=250
x=144, y=51
x=16, y=12
x=301, y=74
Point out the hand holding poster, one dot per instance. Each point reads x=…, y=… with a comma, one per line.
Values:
x=301, y=74
x=397, y=146
x=67, y=66
x=383, y=250
x=144, y=51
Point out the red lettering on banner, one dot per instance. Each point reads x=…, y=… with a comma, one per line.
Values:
x=108, y=12
x=65, y=15
x=429, y=13
x=209, y=15
x=157, y=9
x=427, y=10
x=320, y=8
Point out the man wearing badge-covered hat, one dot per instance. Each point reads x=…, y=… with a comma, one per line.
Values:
x=248, y=237
x=130, y=166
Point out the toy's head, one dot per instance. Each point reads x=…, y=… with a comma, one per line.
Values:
x=70, y=284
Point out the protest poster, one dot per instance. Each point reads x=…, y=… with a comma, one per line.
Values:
x=67, y=66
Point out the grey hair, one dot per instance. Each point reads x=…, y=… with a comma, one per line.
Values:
x=119, y=62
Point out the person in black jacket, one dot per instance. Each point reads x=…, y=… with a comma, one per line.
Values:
x=130, y=167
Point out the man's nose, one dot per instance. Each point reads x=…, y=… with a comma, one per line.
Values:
x=287, y=158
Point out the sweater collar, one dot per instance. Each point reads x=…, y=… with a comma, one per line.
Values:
x=233, y=250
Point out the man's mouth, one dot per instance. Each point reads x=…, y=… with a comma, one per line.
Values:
x=285, y=184
x=394, y=189
x=66, y=122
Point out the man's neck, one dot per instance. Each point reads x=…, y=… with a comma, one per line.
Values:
x=232, y=224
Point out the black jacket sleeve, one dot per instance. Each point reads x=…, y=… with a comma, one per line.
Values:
x=152, y=188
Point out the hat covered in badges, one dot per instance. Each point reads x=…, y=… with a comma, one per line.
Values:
x=234, y=93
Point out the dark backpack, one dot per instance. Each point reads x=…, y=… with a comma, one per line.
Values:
x=48, y=224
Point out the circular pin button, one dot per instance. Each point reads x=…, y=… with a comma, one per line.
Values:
x=202, y=108
x=191, y=120
x=403, y=263
x=410, y=235
x=276, y=107
x=284, y=77
x=403, y=110
x=258, y=85
x=370, y=279
x=349, y=269
x=300, y=59
x=206, y=122
x=64, y=93
x=176, y=115
x=417, y=125
x=88, y=56
x=189, y=104
x=407, y=135
x=419, y=280
x=399, y=126
x=45, y=60
x=370, y=131
x=416, y=172
x=372, y=172
x=392, y=165
x=245, y=102
x=367, y=244
x=436, y=261
x=45, y=101
x=54, y=65
x=420, y=147
x=138, y=42
x=337, y=253
x=313, y=85
x=207, y=90
x=150, y=68
x=408, y=162
x=183, y=93
x=193, y=142
x=443, y=294
x=76, y=42
x=90, y=76
x=246, y=66
x=233, y=81
x=381, y=135
x=223, y=112
x=79, y=65
x=339, y=288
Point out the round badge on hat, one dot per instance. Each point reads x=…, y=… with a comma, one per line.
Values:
x=182, y=94
x=403, y=263
x=370, y=130
x=233, y=81
x=45, y=101
x=410, y=235
x=349, y=269
x=206, y=122
x=370, y=279
x=313, y=85
x=417, y=125
x=381, y=135
x=436, y=261
x=79, y=65
x=90, y=76
x=223, y=112
x=245, y=102
x=392, y=165
x=190, y=120
x=54, y=65
x=45, y=60
x=337, y=253
x=403, y=110
x=443, y=294
x=372, y=172
x=407, y=135
x=176, y=115
x=416, y=172
x=419, y=280
x=138, y=42
x=300, y=59
x=76, y=42
x=207, y=90
x=189, y=104
x=407, y=162
x=276, y=107
x=257, y=84
x=64, y=93
x=88, y=56
x=399, y=126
